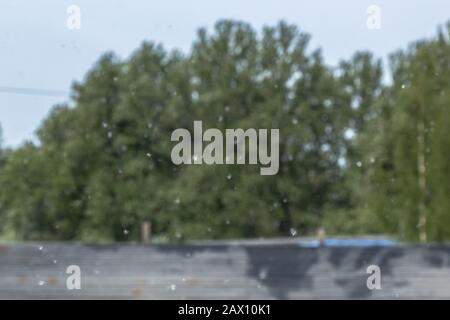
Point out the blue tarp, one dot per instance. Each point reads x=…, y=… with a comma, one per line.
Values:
x=353, y=242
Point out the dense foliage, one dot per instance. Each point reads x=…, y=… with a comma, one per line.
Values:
x=357, y=155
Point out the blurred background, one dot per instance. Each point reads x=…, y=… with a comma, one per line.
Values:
x=90, y=92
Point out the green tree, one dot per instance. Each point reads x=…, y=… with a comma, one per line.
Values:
x=414, y=178
x=356, y=156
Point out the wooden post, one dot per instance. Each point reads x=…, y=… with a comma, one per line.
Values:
x=146, y=232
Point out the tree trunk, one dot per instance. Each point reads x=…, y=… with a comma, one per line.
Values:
x=422, y=182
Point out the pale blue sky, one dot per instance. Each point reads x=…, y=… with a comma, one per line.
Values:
x=38, y=51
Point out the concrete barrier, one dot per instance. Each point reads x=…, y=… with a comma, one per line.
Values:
x=280, y=271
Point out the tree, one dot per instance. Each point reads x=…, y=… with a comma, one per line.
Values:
x=356, y=155
x=415, y=178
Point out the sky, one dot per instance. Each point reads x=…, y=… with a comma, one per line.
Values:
x=41, y=57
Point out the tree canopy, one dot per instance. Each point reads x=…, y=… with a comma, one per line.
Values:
x=357, y=155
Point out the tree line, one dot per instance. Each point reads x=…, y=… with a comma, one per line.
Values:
x=358, y=155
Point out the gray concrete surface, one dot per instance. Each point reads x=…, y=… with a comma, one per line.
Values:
x=267, y=271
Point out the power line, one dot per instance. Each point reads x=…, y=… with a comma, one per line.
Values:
x=35, y=92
